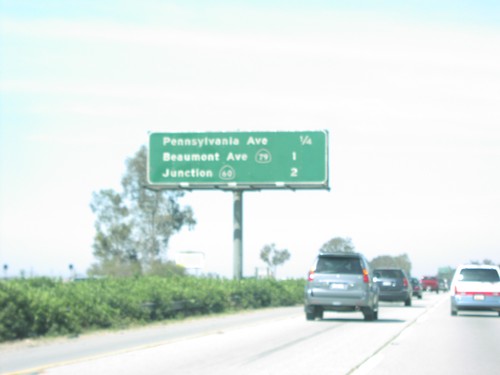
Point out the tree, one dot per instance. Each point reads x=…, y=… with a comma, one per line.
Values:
x=274, y=257
x=488, y=262
x=446, y=273
x=400, y=261
x=133, y=227
x=338, y=245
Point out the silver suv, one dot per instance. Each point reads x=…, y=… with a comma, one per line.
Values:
x=341, y=282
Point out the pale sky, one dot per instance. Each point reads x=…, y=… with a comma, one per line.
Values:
x=408, y=91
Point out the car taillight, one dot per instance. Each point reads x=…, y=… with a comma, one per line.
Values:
x=405, y=282
x=366, y=279
x=473, y=293
x=310, y=276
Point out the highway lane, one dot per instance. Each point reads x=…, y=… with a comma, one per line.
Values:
x=274, y=341
x=438, y=343
x=281, y=341
x=41, y=353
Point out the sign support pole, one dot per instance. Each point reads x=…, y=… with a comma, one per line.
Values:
x=238, y=234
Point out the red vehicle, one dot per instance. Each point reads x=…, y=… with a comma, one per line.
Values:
x=430, y=283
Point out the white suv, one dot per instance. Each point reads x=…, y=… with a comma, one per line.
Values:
x=475, y=287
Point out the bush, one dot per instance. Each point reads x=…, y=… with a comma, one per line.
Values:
x=41, y=306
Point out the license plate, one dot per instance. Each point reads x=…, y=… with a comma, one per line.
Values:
x=387, y=283
x=478, y=297
x=337, y=286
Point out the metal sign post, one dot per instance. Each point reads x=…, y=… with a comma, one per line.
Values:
x=237, y=234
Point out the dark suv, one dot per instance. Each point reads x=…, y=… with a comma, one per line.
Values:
x=417, y=287
x=340, y=282
x=394, y=285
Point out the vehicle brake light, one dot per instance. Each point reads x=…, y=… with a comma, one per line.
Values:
x=469, y=293
x=405, y=282
x=310, y=276
x=366, y=279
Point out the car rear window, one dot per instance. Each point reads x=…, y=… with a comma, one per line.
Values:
x=343, y=265
x=485, y=275
x=390, y=274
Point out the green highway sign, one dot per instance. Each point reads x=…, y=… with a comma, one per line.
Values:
x=290, y=159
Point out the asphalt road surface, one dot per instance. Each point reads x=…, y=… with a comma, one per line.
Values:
x=421, y=339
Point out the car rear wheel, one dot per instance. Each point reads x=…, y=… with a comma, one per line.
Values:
x=369, y=314
x=310, y=312
x=408, y=302
x=319, y=313
x=314, y=312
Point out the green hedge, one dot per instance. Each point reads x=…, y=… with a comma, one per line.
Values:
x=42, y=306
